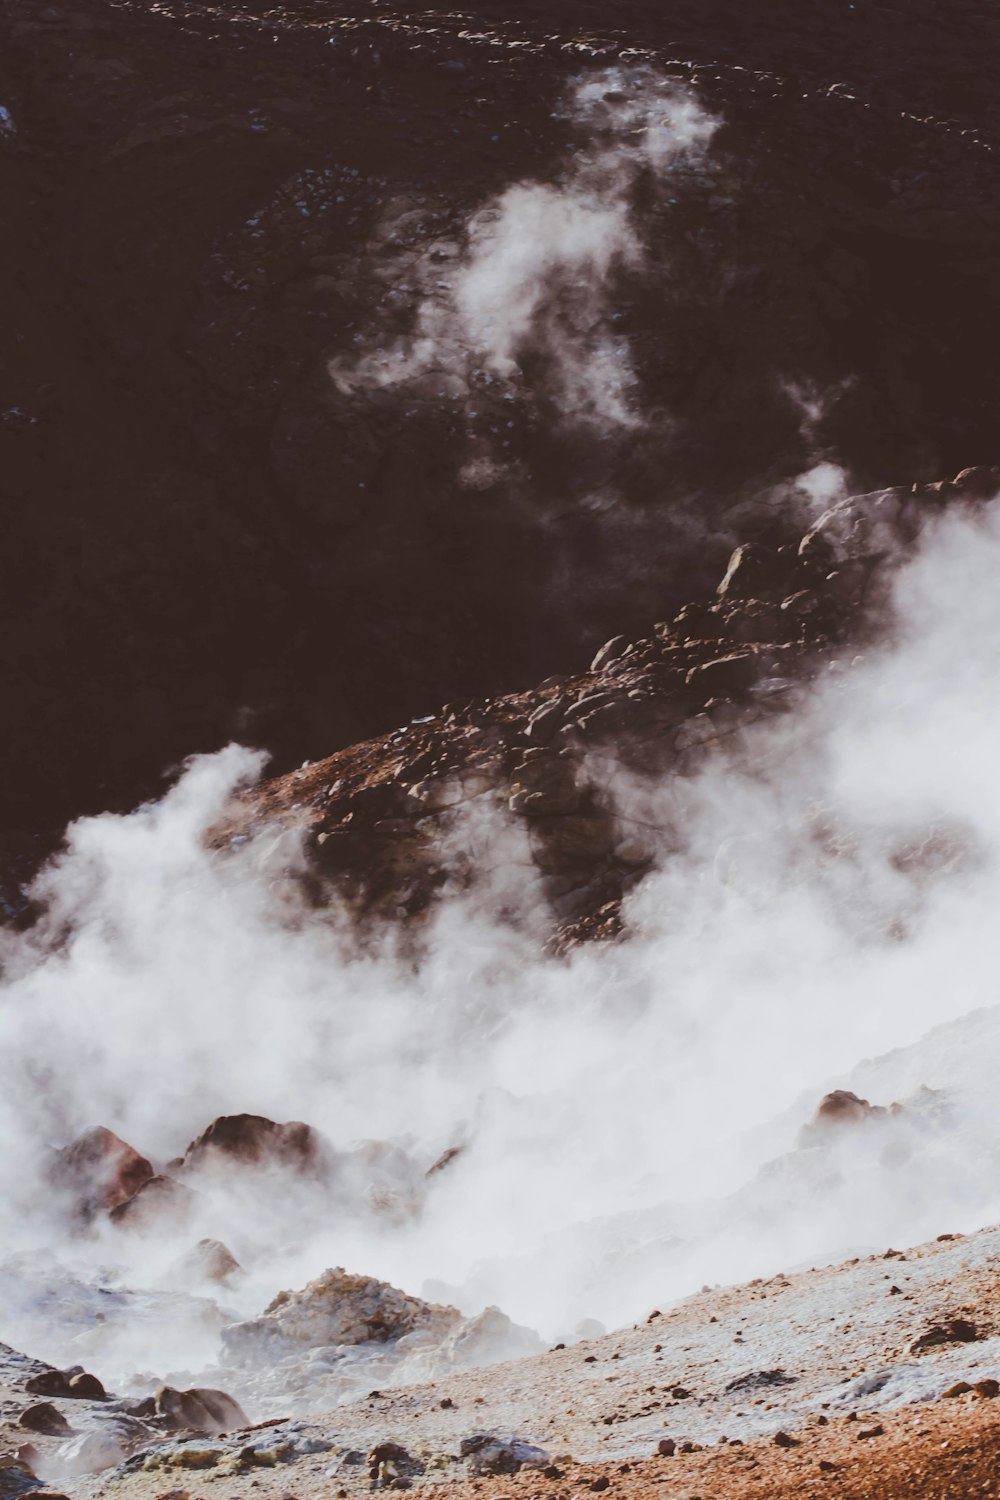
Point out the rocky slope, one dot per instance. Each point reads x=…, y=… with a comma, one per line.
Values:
x=377, y=817
x=874, y=1376
x=206, y=205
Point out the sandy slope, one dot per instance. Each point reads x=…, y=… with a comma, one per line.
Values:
x=825, y=1356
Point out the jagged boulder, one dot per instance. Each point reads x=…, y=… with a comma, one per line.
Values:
x=255, y=1141
x=159, y=1199
x=336, y=1308
x=98, y=1172
x=492, y=1453
x=199, y=1409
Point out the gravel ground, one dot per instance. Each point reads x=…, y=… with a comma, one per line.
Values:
x=764, y=1381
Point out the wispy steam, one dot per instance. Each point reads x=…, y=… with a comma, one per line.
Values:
x=536, y=276
x=829, y=895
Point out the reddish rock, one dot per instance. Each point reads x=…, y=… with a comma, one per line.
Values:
x=255, y=1141
x=158, y=1197
x=98, y=1172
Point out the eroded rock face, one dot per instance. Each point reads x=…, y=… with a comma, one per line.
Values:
x=656, y=706
x=99, y=1172
x=254, y=1141
x=161, y=1199
x=169, y=379
x=209, y=1260
x=335, y=1309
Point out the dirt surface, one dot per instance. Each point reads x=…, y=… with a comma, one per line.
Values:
x=883, y=1368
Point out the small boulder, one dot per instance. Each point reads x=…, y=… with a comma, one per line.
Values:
x=83, y=1386
x=981, y=482
x=755, y=572
x=209, y=1260
x=199, y=1409
x=488, y=1453
x=725, y=675
x=72, y=1385
x=46, y=1418
x=954, y=1331
x=838, y=1111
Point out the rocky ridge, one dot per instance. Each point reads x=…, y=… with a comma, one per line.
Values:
x=375, y=817
x=209, y=203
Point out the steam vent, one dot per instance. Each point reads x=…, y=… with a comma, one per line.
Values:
x=499, y=812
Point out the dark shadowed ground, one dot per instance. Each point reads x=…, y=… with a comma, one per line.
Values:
x=203, y=539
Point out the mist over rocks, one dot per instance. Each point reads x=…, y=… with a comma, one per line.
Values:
x=333, y=1310
x=98, y=1172
x=653, y=706
x=252, y=1140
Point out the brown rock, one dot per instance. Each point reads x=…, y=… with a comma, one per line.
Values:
x=44, y=1417
x=209, y=1260
x=157, y=1197
x=255, y=1141
x=955, y=1331
x=199, y=1409
x=76, y=1385
x=86, y=1387
x=981, y=482
x=99, y=1171
x=755, y=572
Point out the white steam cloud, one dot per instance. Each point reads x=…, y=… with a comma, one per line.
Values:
x=825, y=895
x=536, y=274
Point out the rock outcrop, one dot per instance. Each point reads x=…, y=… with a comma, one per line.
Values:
x=662, y=704
x=98, y=1172
x=334, y=1310
x=208, y=537
x=234, y=1141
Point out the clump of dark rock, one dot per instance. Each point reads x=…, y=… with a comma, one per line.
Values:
x=255, y=1141
x=953, y=1331
x=46, y=1418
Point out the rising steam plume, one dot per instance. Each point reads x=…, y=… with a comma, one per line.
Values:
x=540, y=263
x=821, y=914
